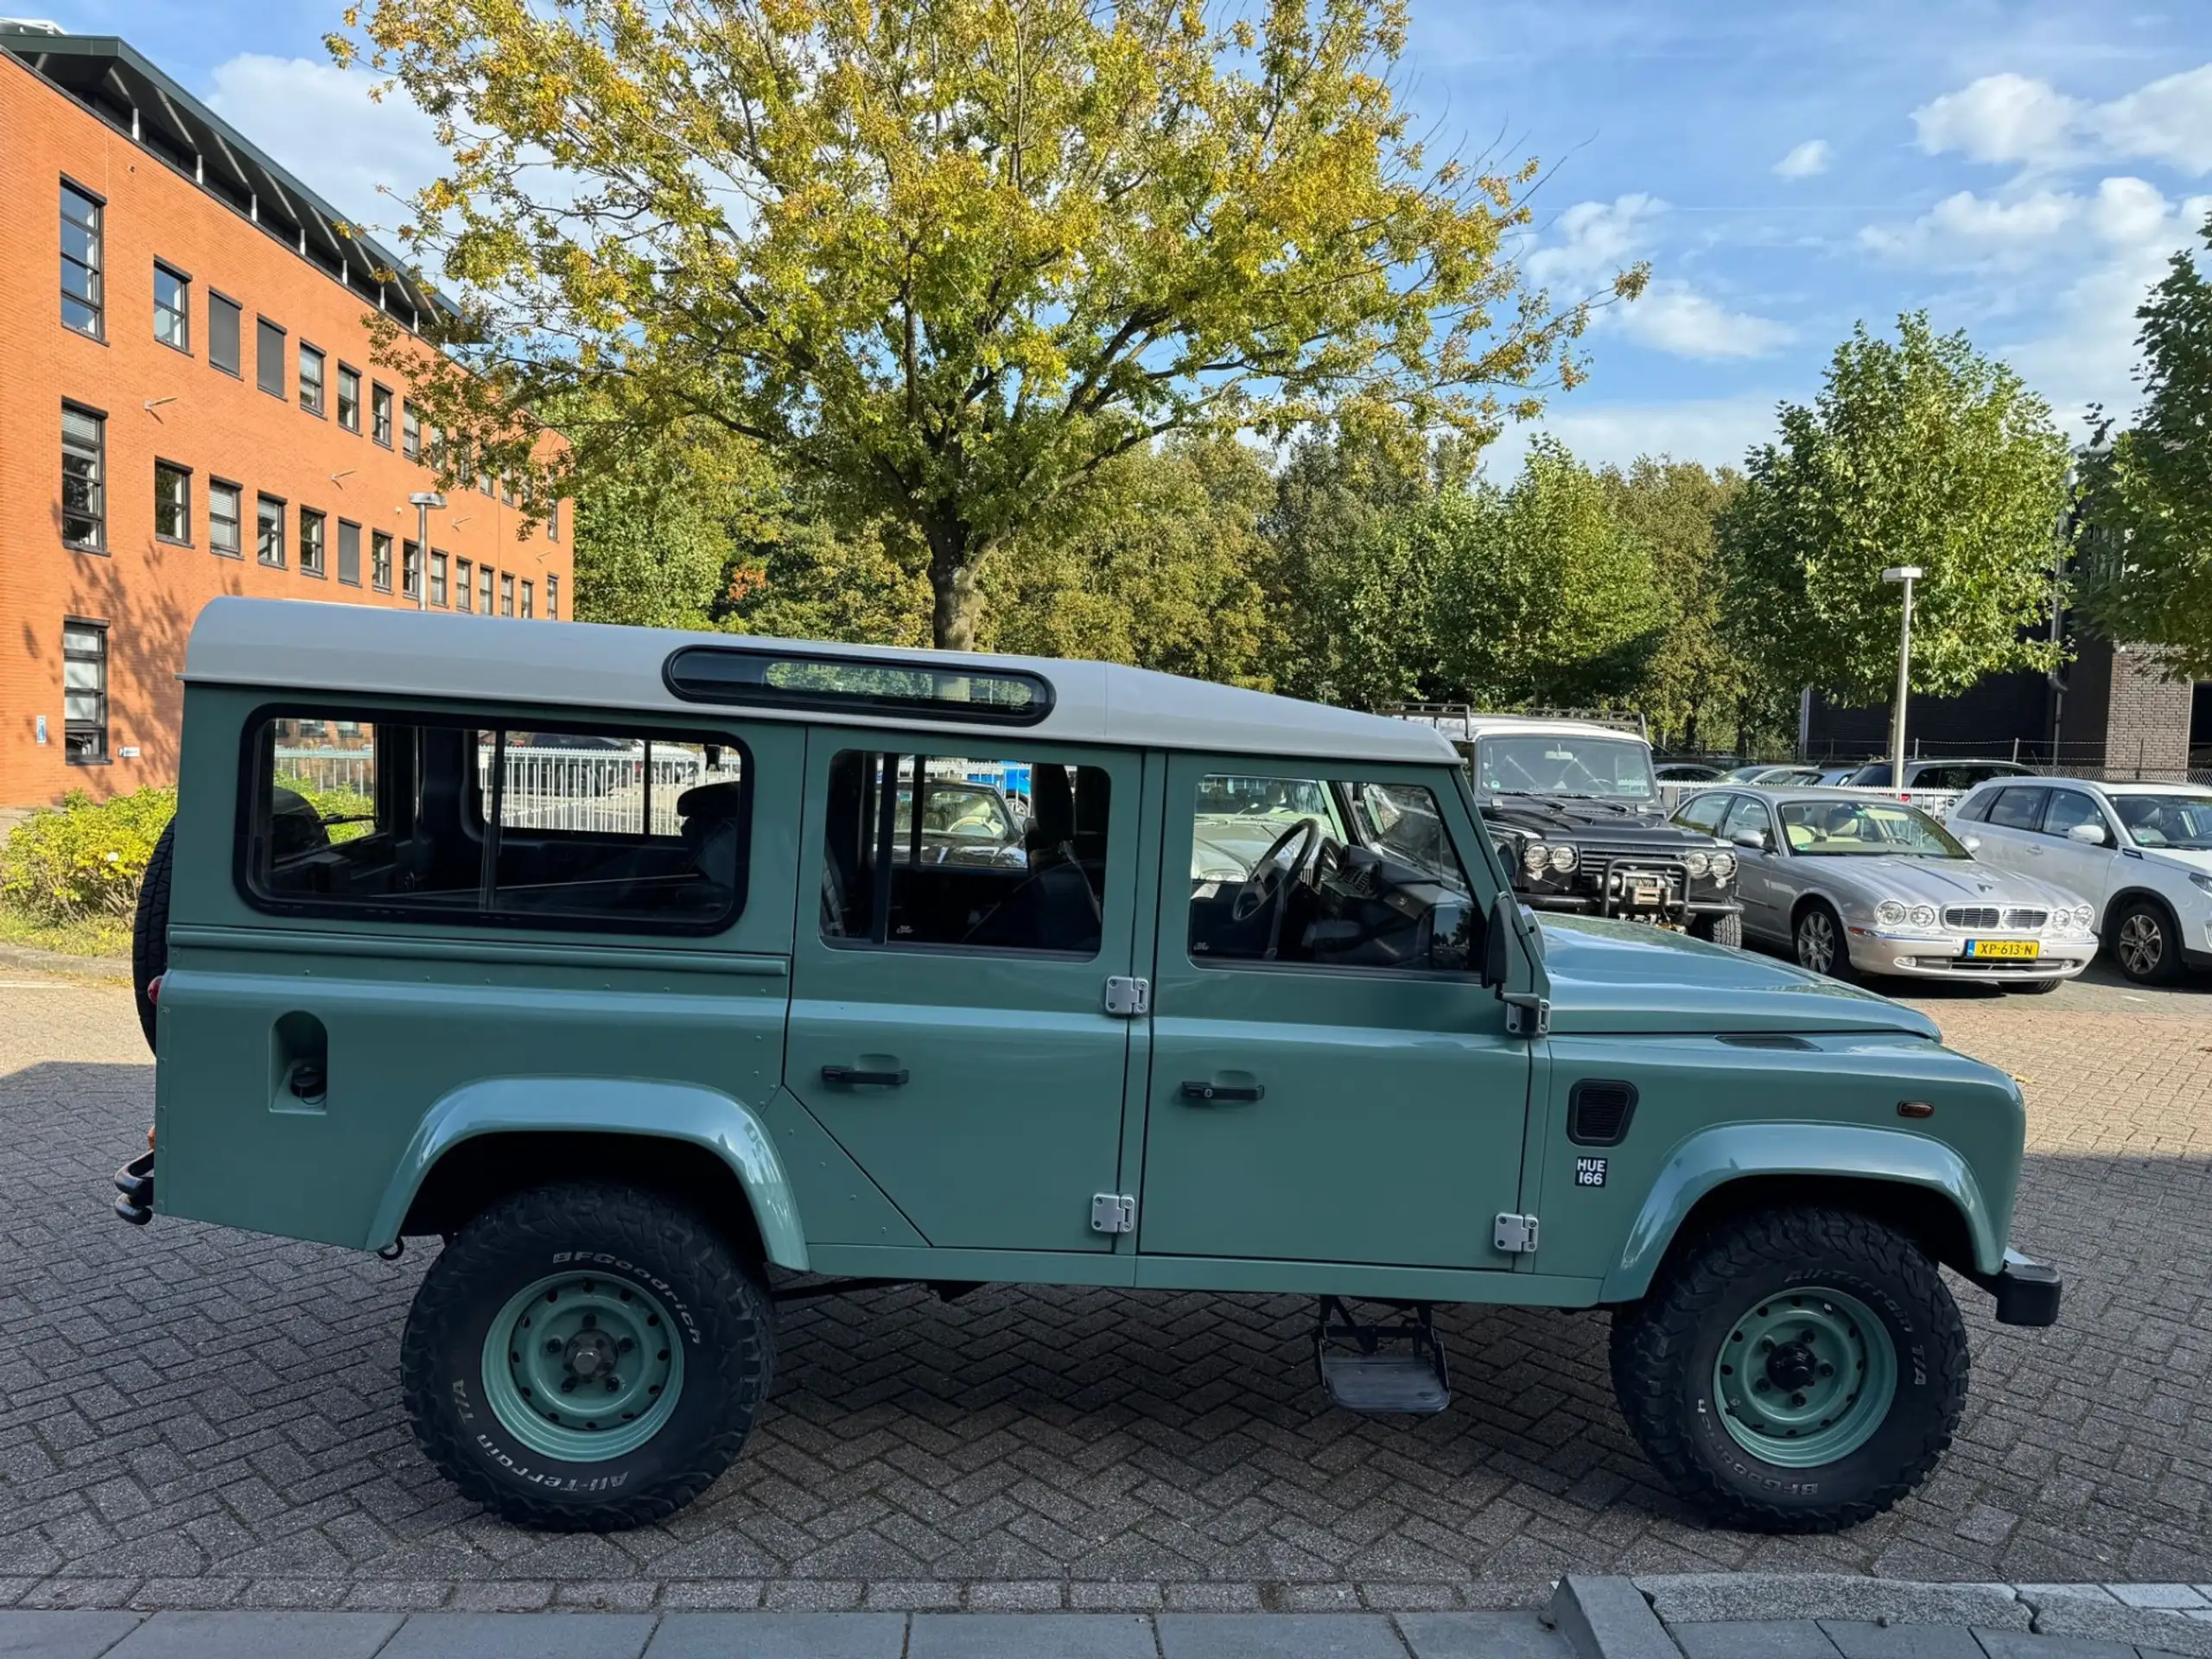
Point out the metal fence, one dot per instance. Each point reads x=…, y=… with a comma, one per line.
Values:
x=608, y=790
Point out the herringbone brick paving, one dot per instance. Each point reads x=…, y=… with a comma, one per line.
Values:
x=199, y=1418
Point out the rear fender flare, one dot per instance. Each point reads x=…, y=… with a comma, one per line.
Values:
x=625, y=1106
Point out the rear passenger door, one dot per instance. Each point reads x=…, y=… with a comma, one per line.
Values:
x=2012, y=836
x=1761, y=886
x=959, y=915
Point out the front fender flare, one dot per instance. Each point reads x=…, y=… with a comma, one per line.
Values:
x=1712, y=1158
x=677, y=1111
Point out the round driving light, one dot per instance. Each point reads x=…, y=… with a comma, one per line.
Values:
x=1696, y=864
x=1724, y=865
x=1535, y=857
x=1564, y=859
x=1923, y=916
x=1890, y=914
x=2082, y=914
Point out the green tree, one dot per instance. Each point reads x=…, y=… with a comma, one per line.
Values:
x=1916, y=452
x=1697, y=675
x=2147, y=497
x=654, y=523
x=945, y=259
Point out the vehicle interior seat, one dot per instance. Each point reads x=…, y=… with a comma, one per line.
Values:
x=1055, y=907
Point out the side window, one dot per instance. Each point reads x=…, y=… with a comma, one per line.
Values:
x=1703, y=811
x=2017, y=809
x=1746, y=817
x=446, y=821
x=950, y=851
x=1326, y=872
x=1976, y=810
x=2070, y=807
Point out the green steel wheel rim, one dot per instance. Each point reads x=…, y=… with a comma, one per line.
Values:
x=582, y=1366
x=1805, y=1377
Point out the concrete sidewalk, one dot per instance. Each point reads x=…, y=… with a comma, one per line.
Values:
x=1715, y=1617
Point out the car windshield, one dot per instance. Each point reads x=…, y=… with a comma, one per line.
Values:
x=2177, y=820
x=958, y=811
x=1593, y=768
x=1865, y=830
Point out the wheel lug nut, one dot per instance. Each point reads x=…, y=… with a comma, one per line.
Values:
x=591, y=1321
x=1766, y=1345
x=1827, y=1370
x=614, y=1385
x=624, y=1345
x=1761, y=1385
x=553, y=1345
x=1796, y=1399
x=568, y=1385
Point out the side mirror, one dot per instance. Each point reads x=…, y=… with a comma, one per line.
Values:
x=1497, y=942
x=1754, y=840
x=1972, y=843
x=2090, y=834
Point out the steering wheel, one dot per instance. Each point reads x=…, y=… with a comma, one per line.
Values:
x=1267, y=883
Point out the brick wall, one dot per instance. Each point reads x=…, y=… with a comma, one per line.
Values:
x=2146, y=726
x=161, y=403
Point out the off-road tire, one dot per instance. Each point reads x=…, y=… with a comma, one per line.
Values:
x=665, y=1247
x=2167, y=967
x=149, y=927
x=1664, y=1349
x=1727, y=928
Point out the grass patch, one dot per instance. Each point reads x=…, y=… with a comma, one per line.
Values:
x=85, y=936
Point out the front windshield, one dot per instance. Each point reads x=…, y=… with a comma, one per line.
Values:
x=958, y=811
x=1865, y=830
x=2183, y=821
x=1591, y=768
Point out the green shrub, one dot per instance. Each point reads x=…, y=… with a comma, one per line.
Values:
x=85, y=857
x=333, y=805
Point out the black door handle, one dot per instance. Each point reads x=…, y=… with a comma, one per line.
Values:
x=847, y=1074
x=1204, y=1091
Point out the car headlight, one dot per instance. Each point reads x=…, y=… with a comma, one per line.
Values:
x=2082, y=915
x=1535, y=857
x=1922, y=916
x=1723, y=867
x=1564, y=859
x=1696, y=864
x=2201, y=881
x=1890, y=914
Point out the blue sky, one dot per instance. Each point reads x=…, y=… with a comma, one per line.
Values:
x=2023, y=168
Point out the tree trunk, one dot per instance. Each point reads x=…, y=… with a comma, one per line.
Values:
x=956, y=601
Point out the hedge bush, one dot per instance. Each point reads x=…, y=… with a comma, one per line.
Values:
x=85, y=857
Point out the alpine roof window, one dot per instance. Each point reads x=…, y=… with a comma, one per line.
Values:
x=796, y=680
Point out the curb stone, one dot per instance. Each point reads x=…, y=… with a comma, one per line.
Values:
x=2111, y=1621
x=1609, y=1619
x=1707, y=1598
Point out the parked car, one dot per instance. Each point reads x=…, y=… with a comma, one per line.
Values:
x=1259, y=1012
x=1934, y=774
x=1685, y=772
x=1771, y=776
x=1854, y=887
x=2139, y=854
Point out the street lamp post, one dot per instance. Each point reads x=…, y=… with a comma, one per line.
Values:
x=1907, y=574
x=423, y=500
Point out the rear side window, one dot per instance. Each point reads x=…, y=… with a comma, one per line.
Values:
x=1703, y=812
x=442, y=820
x=951, y=850
x=1976, y=810
x=2017, y=809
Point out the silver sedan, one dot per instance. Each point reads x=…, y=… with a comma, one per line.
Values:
x=1852, y=885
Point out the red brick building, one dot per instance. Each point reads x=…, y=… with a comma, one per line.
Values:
x=188, y=407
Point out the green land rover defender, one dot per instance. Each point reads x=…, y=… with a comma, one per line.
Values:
x=664, y=977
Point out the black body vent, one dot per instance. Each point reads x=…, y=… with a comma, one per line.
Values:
x=1597, y=1112
x=1756, y=1040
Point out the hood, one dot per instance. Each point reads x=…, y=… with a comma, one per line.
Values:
x=1617, y=976
x=1930, y=881
x=1565, y=815
x=2179, y=858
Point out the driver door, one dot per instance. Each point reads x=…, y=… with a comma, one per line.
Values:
x=1761, y=886
x=1355, y=1098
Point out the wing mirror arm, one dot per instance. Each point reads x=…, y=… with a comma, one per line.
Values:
x=1526, y=1013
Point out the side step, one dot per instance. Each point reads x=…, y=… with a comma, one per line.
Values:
x=1385, y=1370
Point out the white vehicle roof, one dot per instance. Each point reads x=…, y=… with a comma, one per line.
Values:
x=308, y=647
x=1467, y=727
x=2146, y=786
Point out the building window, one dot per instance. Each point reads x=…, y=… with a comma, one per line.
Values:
x=552, y=599
x=380, y=415
x=529, y=599
x=437, y=577
x=172, y=502
x=269, y=530
x=269, y=356
x=380, y=561
x=553, y=522
x=81, y=303
x=311, y=535
x=483, y=483
x=506, y=491
x=84, y=692
x=311, y=379
x=484, y=588
x=83, y=478
x=223, y=333
x=506, y=595
x=349, y=553
x=410, y=569
x=349, y=398
x=172, y=308
x=411, y=432
x=223, y=518
x=463, y=574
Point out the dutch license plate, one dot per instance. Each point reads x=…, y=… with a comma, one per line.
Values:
x=2003, y=949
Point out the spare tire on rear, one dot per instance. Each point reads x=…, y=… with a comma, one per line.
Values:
x=150, y=930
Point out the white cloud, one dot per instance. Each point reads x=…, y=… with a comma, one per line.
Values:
x=1806, y=160
x=318, y=122
x=1965, y=231
x=2012, y=119
x=1596, y=239
x=1714, y=431
x=2169, y=120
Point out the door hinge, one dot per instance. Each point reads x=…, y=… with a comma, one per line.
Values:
x=1527, y=1014
x=1516, y=1234
x=1113, y=1212
x=1126, y=998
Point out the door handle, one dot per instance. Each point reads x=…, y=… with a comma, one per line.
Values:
x=1205, y=1092
x=878, y=1079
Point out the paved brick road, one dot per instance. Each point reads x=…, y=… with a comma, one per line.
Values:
x=193, y=1417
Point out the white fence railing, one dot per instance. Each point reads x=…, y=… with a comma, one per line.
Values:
x=609, y=791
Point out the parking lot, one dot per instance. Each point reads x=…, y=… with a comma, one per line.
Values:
x=194, y=1417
